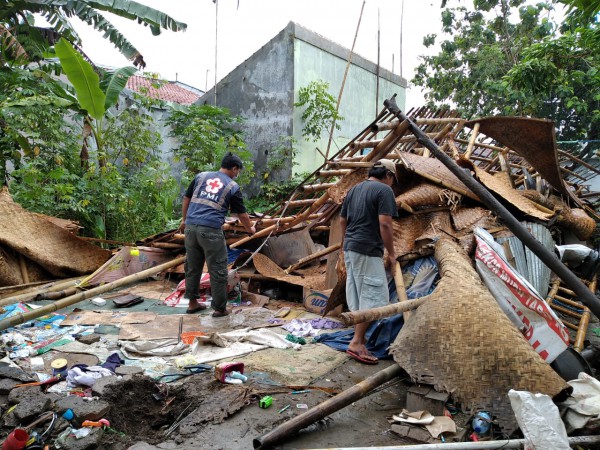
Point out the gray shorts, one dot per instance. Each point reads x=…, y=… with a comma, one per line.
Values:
x=366, y=282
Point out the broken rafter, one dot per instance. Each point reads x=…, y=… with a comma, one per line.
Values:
x=68, y=301
x=308, y=259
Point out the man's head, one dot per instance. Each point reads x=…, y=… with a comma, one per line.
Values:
x=232, y=163
x=384, y=170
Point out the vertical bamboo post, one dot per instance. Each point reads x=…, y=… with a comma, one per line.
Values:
x=471, y=144
x=401, y=289
x=23, y=267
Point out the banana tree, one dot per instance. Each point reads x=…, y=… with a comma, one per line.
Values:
x=95, y=97
x=21, y=40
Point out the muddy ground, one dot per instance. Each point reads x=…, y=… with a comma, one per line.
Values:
x=220, y=416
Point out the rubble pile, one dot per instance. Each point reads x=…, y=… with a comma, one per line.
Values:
x=486, y=317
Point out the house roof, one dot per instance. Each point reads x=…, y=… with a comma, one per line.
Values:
x=169, y=91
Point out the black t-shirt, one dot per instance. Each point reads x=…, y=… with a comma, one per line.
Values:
x=362, y=207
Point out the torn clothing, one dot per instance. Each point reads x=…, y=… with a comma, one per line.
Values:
x=206, y=244
x=366, y=281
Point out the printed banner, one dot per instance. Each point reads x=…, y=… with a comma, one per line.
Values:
x=519, y=300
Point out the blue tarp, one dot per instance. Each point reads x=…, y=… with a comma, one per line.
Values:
x=379, y=336
x=423, y=277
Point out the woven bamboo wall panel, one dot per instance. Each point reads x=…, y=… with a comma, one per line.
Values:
x=462, y=342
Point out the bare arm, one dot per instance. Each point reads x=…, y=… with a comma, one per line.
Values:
x=184, y=209
x=245, y=220
x=387, y=234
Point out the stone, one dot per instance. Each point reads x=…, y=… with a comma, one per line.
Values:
x=104, y=384
x=89, y=442
x=32, y=406
x=15, y=374
x=7, y=385
x=128, y=370
x=89, y=339
x=82, y=409
x=16, y=395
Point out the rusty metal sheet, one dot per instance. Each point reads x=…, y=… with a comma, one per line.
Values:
x=533, y=139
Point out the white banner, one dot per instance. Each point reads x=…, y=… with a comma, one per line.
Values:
x=519, y=300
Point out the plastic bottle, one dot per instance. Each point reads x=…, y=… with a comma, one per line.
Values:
x=237, y=375
x=482, y=422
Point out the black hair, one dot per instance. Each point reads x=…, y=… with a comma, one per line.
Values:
x=230, y=161
x=378, y=172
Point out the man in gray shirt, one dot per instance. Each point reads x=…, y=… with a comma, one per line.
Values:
x=366, y=221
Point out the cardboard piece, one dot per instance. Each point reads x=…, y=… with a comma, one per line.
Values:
x=315, y=301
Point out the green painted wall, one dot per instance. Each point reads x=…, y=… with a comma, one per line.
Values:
x=358, y=106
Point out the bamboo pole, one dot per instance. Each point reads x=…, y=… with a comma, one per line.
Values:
x=579, y=161
x=545, y=255
x=23, y=267
x=296, y=220
x=42, y=311
x=369, y=315
x=584, y=322
x=339, y=99
x=33, y=294
x=421, y=121
x=314, y=256
x=167, y=245
x=401, y=289
x=309, y=188
x=21, y=287
x=57, y=294
x=329, y=406
x=359, y=145
x=471, y=144
x=351, y=164
x=333, y=173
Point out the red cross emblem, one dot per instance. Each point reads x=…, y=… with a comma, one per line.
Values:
x=213, y=185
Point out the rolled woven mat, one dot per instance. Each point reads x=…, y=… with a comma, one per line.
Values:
x=339, y=191
x=58, y=251
x=462, y=342
x=538, y=198
x=427, y=194
x=577, y=221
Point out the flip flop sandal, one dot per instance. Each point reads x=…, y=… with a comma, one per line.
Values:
x=221, y=313
x=198, y=308
x=360, y=357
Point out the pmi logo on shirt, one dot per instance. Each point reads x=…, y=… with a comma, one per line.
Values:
x=213, y=185
x=211, y=190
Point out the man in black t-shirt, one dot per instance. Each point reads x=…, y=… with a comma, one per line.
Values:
x=366, y=221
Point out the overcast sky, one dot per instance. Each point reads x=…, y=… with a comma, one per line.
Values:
x=243, y=30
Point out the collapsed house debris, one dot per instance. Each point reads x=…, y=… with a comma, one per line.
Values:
x=495, y=182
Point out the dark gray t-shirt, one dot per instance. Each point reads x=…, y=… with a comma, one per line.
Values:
x=361, y=208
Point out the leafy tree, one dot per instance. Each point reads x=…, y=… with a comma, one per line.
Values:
x=320, y=109
x=496, y=64
x=32, y=106
x=483, y=44
x=22, y=41
x=205, y=134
